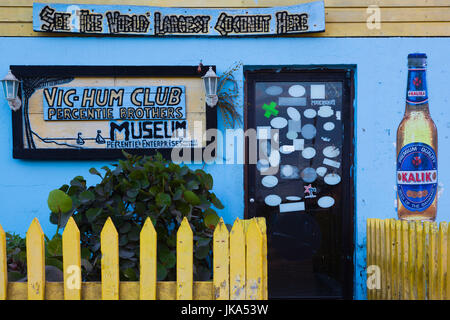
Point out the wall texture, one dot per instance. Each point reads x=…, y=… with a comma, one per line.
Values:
x=379, y=105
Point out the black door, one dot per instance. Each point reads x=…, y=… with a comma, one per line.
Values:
x=301, y=179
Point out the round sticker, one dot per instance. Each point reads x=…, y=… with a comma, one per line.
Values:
x=269, y=181
x=278, y=122
x=297, y=90
x=328, y=126
x=309, y=131
x=274, y=90
x=332, y=179
x=308, y=175
x=325, y=202
x=272, y=200
x=293, y=113
x=308, y=153
x=310, y=113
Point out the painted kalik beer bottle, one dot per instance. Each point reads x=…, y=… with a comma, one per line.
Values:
x=417, y=175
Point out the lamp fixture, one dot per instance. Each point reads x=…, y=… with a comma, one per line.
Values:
x=210, y=80
x=10, y=86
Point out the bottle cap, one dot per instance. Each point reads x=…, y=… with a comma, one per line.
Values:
x=417, y=55
x=417, y=60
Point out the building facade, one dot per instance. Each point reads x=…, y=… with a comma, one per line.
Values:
x=355, y=69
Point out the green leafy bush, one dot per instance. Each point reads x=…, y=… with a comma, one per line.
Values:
x=17, y=255
x=134, y=189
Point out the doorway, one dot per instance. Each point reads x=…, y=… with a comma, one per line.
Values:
x=301, y=179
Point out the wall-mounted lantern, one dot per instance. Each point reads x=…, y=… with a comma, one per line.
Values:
x=210, y=80
x=10, y=86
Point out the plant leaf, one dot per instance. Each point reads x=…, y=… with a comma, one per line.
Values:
x=59, y=202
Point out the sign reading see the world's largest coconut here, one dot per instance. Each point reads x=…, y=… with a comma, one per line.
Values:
x=94, y=112
x=164, y=21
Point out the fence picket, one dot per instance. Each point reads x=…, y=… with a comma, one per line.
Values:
x=420, y=263
x=3, y=265
x=148, y=246
x=369, y=230
x=404, y=261
x=262, y=226
x=413, y=256
x=234, y=266
x=184, y=261
x=433, y=263
x=71, y=261
x=35, y=261
x=442, y=262
x=374, y=253
x=388, y=263
x=237, y=261
x=254, y=262
x=383, y=258
x=221, y=262
x=109, y=241
x=412, y=261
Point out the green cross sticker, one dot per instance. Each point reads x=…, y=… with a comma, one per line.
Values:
x=270, y=109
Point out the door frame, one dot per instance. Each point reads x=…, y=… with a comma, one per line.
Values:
x=346, y=74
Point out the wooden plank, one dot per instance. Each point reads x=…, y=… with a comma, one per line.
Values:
x=426, y=253
x=16, y=14
x=430, y=246
x=433, y=270
x=349, y=3
x=254, y=262
x=413, y=14
x=442, y=261
x=419, y=14
x=71, y=261
x=412, y=263
x=370, y=252
x=262, y=226
x=148, y=249
x=398, y=260
x=393, y=259
x=420, y=262
x=110, y=261
x=3, y=266
x=129, y=290
x=184, y=261
x=388, y=264
x=332, y=29
x=243, y=3
x=221, y=262
x=237, y=261
x=404, y=257
x=382, y=261
x=377, y=261
x=35, y=261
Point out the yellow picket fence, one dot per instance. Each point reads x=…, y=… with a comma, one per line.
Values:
x=408, y=259
x=239, y=266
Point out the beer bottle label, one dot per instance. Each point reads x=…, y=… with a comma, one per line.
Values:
x=416, y=176
x=416, y=92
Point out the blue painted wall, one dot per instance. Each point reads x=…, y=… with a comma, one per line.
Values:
x=380, y=95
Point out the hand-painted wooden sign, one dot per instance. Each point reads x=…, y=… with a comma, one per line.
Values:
x=164, y=21
x=72, y=112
